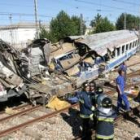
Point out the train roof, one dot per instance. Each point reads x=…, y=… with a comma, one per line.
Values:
x=100, y=42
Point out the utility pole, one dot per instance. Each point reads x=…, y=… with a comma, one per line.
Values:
x=81, y=24
x=40, y=24
x=124, y=27
x=11, y=33
x=139, y=33
x=36, y=19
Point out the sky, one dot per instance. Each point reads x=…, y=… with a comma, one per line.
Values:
x=23, y=10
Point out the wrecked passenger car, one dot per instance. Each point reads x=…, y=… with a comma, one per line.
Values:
x=43, y=69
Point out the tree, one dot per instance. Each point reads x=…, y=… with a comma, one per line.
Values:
x=63, y=25
x=104, y=26
x=77, y=21
x=132, y=22
x=43, y=33
x=101, y=24
x=96, y=20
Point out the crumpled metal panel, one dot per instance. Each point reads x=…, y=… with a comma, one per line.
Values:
x=15, y=66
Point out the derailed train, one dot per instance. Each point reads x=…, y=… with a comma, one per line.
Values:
x=43, y=69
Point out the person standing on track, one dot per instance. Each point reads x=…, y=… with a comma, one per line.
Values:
x=123, y=67
x=122, y=101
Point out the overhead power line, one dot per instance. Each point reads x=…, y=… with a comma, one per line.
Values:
x=126, y=2
x=23, y=14
x=11, y=4
x=107, y=6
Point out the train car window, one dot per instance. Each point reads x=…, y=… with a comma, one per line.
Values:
x=133, y=44
x=118, y=51
x=136, y=43
x=123, y=49
x=130, y=46
x=126, y=47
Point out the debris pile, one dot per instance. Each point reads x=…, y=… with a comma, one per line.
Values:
x=43, y=69
x=26, y=72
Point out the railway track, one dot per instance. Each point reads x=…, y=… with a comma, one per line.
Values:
x=122, y=122
x=39, y=118
x=36, y=119
x=17, y=108
x=46, y=115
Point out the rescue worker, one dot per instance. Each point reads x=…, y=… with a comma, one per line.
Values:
x=99, y=95
x=122, y=101
x=123, y=67
x=86, y=109
x=105, y=120
x=93, y=93
x=93, y=100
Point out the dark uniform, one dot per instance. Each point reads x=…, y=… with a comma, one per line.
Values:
x=105, y=120
x=99, y=96
x=86, y=110
x=93, y=93
x=93, y=100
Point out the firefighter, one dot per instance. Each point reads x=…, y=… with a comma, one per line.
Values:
x=105, y=120
x=93, y=100
x=86, y=110
x=93, y=93
x=99, y=95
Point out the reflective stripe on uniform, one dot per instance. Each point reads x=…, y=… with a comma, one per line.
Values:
x=82, y=101
x=105, y=119
x=91, y=117
x=93, y=108
x=104, y=137
x=84, y=116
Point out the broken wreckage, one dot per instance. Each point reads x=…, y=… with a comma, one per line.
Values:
x=43, y=69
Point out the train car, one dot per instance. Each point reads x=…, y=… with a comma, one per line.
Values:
x=97, y=53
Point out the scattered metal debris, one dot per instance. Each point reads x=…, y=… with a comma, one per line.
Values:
x=43, y=69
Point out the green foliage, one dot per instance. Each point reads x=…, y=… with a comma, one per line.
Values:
x=77, y=25
x=96, y=20
x=62, y=26
x=104, y=26
x=101, y=24
x=132, y=22
x=43, y=33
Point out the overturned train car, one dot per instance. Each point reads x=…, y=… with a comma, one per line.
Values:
x=87, y=57
x=44, y=69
